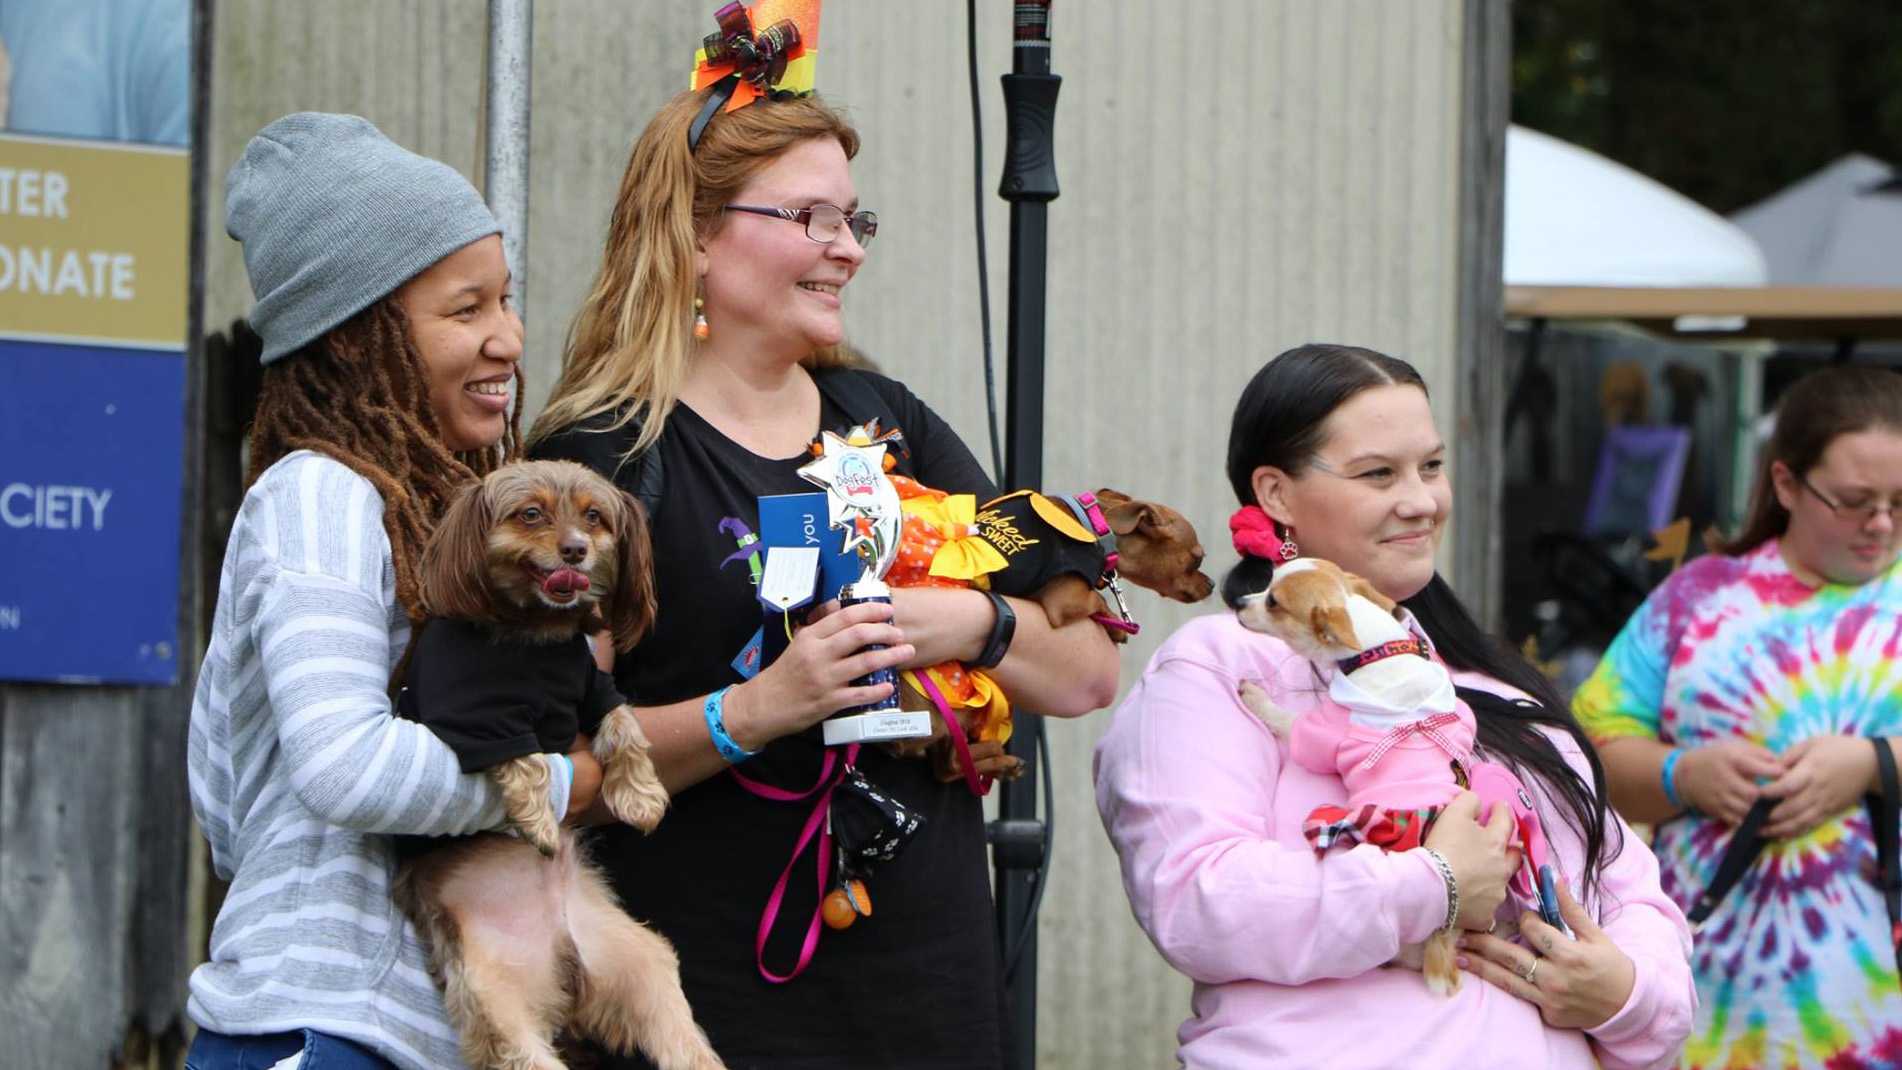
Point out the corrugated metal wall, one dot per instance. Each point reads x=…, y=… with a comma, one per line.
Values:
x=1237, y=178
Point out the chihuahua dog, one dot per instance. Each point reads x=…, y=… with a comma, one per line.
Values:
x=1156, y=548
x=1046, y=561
x=524, y=935
x=1393, y=729
x=1053, y=558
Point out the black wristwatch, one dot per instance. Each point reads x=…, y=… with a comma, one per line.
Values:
x=1003, y=629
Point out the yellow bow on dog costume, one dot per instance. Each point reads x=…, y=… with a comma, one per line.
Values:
x=939, y=547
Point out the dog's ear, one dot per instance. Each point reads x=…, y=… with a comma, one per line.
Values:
x=1125, y=514
x=455, y=576
x=1359, y=586
x=1331, y=625
x=631, y=605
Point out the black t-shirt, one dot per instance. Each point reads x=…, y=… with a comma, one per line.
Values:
x=916, y=984
x=492, y=698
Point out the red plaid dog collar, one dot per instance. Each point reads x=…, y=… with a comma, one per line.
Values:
x=1381, y=653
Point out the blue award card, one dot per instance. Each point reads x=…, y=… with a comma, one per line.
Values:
x=800, y=520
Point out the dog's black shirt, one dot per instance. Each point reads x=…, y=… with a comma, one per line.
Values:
x=1035, y=549
x=492, y=699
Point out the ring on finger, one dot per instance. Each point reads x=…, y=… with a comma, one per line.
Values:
x=1494, y=925
x=1531, y=971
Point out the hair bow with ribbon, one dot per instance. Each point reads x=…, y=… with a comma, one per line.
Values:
x=766, y=50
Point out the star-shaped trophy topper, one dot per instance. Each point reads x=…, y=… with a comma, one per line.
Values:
x=859, y=498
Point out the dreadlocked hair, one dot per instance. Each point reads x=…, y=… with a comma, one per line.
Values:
x=359, y=395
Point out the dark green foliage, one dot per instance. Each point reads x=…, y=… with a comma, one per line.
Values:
x=1726, y=101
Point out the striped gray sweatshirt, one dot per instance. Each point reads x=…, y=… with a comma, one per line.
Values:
x=298, y=768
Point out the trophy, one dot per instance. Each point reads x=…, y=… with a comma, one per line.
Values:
x=864, y=504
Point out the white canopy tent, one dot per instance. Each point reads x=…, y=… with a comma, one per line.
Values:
x=1837, y=227
x=1575, y=218
x=1589, y=239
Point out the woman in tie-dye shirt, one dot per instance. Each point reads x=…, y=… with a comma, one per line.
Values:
x=1764, y=671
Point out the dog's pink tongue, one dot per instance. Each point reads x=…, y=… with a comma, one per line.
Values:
x=565, y=581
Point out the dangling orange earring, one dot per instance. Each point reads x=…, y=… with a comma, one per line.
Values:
x=700, y=328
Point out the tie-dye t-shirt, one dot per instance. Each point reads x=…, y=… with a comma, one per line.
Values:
x=1795, y=967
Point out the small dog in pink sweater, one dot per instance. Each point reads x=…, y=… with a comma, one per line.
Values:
x=1392, y=728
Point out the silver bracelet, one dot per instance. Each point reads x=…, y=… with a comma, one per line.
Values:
x=1452, y=889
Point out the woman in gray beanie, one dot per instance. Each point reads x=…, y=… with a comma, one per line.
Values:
x=390, y=352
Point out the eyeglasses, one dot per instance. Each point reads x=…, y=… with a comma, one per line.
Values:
x=1861, y=514
x=822, y=221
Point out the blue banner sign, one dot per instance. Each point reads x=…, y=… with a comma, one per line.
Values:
x=93, y=301
x=91, y=451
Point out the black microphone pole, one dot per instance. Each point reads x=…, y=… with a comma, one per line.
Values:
x=1019, y=841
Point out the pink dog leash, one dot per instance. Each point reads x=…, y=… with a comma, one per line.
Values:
x=1089, y=512
x=980, y=786
x=818, y=823
x=1497, y=785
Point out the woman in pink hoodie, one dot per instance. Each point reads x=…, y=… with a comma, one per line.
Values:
x=1333, y=454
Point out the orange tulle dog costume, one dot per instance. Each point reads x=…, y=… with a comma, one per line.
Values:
x=936, y=549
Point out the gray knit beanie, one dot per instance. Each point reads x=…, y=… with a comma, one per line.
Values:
x=334, y=216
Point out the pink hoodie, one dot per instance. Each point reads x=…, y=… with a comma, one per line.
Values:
x=1285, y=949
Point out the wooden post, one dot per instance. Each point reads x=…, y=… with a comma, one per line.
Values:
x=1480, y=336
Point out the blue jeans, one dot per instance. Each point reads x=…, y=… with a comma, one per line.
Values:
x=321, y=1051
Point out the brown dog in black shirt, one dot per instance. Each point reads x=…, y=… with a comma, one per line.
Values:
x=524, y=935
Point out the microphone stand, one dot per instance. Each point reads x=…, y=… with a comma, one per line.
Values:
x=1019, y=841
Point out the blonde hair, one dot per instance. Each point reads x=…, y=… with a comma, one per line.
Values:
x=632, y=338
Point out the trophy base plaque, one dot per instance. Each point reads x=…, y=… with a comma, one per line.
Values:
x=877, y=727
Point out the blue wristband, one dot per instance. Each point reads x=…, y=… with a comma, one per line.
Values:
x=715, y=710
x=561, y=783
x=1668, y=778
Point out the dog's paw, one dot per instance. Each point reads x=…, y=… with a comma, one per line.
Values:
x=633, y=792
x=702, y=1058
x=1442, y=984
x=1007, y=767
x=524, y=785
x=680, y=1045
x=629, y=786
x=1439, y=964
x=993, y=761
x=1255, y=698
x=988, y=759
x=542, y=831
x=631, y=789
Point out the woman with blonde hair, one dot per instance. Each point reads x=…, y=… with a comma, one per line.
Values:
x=708, y=350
